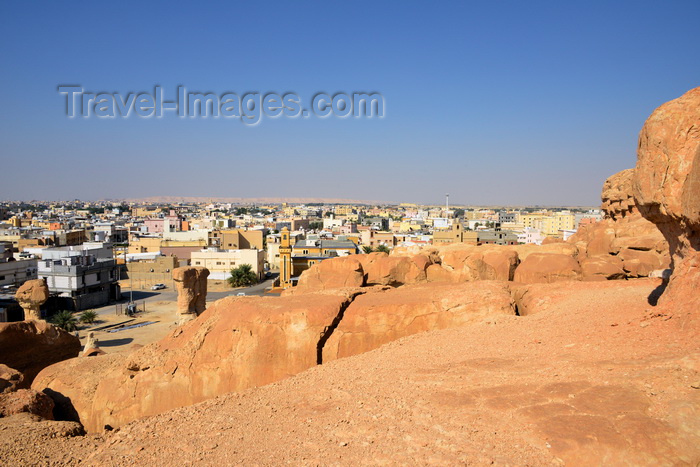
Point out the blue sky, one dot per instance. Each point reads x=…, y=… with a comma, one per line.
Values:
x=494, y=102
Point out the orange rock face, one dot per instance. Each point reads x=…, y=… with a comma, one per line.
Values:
x=394, y=270
x=29, y=346
x=667, y=190
x=26, y=401
x=471, y=263
x=191, y=285
x=374, y=319
x=546, y=268
x=237, y=343
x=624, y=238
x=332, y=274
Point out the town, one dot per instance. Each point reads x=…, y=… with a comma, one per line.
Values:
x=91, y=253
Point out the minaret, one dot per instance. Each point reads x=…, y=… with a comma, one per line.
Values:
x=285, y=259
x=447, y=205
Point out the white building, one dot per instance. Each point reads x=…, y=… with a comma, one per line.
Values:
x=530, y=235
x=220, y=262
x=83, y=276
x=15, y=273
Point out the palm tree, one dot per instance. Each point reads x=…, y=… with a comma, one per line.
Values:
x=242, y=276
x=65, y=320
x=88, y=317
x=367, y=249
x=383, y=248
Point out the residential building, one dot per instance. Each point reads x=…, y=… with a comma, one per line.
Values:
x=237, y=239
x=144, y=274
x=220, y=262
x=81, y=280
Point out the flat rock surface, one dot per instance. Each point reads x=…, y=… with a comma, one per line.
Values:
x=598, y=377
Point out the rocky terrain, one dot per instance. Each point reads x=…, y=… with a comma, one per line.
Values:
x=559, y=354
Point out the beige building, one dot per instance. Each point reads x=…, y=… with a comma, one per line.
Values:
x=236, y=239
x=220, y=262
x=455, y=234
x=144, y=274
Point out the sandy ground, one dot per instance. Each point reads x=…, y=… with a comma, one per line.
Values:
x=597, y=378
x=161, y=312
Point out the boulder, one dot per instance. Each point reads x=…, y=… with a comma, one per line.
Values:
x=394, y=270
x=547, y=267
x=10, y=379
x=191, y=286
x=472, y=263
x=237, y=343
x=30, y=346
x=92, y=346
x=605, y=267
x=565, y=248
x=640, y=263
x=374, y=319
x=666, y=188
x=30, y=296
x=332, y=273
x=26, y=401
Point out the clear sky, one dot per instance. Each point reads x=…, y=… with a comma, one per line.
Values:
x=503, y=102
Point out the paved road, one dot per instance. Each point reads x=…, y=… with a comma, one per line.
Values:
x=139, y=296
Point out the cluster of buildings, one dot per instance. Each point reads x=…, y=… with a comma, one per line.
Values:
x=85, y=251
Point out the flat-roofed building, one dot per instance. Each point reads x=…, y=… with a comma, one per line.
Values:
x=220, y=262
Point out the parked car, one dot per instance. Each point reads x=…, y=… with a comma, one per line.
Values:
x=158, y=287
x=240, y=294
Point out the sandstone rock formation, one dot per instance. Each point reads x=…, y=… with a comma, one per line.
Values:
x=26, y=401
x=667, y=190
x=606, y=267
x=30, y=296
x=234, y=345
x=92, y=346
x=624, y=238
x=394, y=270
x=473, y=263
x=30, y=346
x=374, y=319
x=332, y=274
x=10, y=379
x=191, y=285
x=546, y=268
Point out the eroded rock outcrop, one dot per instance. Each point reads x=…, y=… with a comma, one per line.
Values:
x=332, y=273
x=26, y=401
x=30, y=346
x=374, y=319
x=667, y=190
x=394, y=270
x=10, y=379
x=547, y=268
x=191, y=285
x=92, y=346
x=30, y=296
x=237, y=343
x=624, y=238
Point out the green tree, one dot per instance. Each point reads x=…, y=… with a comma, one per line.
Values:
x=65, y=320
x=459, y=213
x=367, y=249
x=242, y=276
x=383, y=248
x=88, y=317
x=316, y=225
